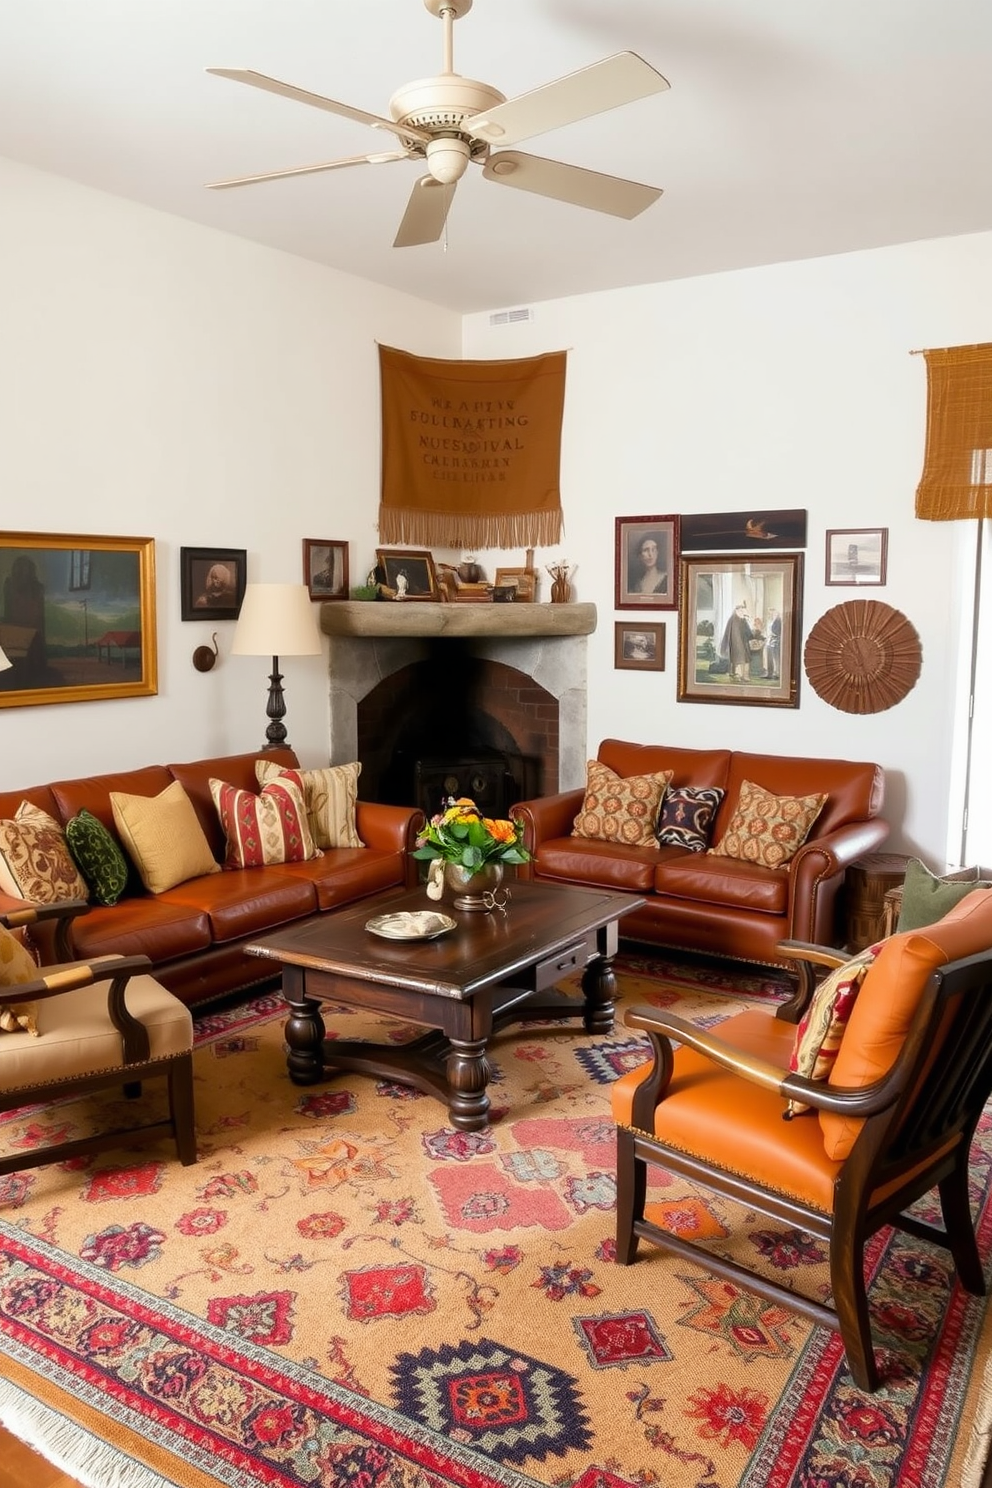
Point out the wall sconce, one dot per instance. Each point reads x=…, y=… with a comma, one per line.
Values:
x=204, y=657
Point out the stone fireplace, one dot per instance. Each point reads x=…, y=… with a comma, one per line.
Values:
x=464, y=699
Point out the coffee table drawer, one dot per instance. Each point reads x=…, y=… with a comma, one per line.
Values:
x=555, y=968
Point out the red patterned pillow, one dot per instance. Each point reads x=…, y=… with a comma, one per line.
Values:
x=264, y=829
x=822, y=1028
x=621, y=808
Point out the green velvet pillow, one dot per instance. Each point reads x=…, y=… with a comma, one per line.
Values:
x=98, y=857
x=927, y=898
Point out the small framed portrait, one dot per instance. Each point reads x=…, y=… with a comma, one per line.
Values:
x=325, y=568
x=739, y=629
x=857, y=555
x=647, y=563
x=638, y=648
x=212, y=582
x=406, y=573
x=522, y=580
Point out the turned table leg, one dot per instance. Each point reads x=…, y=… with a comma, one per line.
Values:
x=304, y=1031
x=468, y=1076
x=599, y=988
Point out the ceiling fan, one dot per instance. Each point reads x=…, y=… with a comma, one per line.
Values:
x=450, y=121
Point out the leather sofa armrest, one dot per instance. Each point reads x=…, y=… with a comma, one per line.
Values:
x=823, y=858
x=388, y=828
x=543, y=818
x=547, y=816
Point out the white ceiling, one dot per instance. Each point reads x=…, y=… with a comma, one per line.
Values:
x=793, y=128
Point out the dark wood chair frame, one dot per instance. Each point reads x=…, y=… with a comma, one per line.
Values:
x=137, y=1066
x=919, y=1120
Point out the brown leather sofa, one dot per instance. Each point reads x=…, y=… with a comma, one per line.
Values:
x=716, y=905
x=195, y=933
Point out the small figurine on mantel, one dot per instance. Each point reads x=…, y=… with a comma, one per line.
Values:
x=560, y=571
x=402, y=585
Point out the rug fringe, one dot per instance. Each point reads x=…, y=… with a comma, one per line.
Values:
x=980, y=1436
x=70, y=1447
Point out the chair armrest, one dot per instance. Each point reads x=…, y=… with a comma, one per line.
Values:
x=807, y=957
x=63, y=912
x=117, y=971
x=662, y=1026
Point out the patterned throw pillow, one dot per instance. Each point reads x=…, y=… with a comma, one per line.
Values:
x=264, y=829
x=621, y=808
x=16, y=967
x=768, y=829
x=97, y=857
x=163, y=837
x=821, y=1030
x=687, y=814
x=329, y=796
x=34, y=859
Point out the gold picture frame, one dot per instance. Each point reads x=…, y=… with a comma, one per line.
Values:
x=77, y=618
x=523, y=580
x=406, y=573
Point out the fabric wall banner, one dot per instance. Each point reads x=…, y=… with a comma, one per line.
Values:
x=956, y=482
x=471, y=451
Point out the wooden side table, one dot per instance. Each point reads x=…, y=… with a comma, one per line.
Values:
x=867, y=883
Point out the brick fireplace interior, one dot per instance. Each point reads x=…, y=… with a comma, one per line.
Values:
x=481, y=700
x=458, y=724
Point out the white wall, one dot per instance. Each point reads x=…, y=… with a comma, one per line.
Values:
x=788, y=386
x=160, y=379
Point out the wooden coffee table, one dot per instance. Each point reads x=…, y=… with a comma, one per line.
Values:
x=492, y=969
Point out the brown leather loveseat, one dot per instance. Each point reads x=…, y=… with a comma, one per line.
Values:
x=195, y=932
x=701, y=902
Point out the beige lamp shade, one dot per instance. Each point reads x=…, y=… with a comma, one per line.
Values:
x=5, y=660
x=276, y=620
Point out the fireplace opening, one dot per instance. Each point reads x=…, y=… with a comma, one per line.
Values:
x=457, y=724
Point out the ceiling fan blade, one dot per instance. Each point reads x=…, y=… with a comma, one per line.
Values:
x=570, y=183
x=317, y=100
x=622, y=78
x=307, y=170
x=426, y=213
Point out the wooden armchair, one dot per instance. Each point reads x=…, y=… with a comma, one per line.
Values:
x=894, y=1119
x=100, y=1023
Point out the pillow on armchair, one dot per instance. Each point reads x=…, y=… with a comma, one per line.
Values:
x=16, y=966
x=927, y=898
x=621, y=808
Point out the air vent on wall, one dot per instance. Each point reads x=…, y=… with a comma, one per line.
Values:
x=510, y=317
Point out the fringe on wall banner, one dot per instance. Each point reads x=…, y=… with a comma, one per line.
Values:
x=471, y=451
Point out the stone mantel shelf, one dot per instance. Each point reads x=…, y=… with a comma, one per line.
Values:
x=405, y=618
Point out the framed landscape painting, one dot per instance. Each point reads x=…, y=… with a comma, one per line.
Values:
x=77, y=618
x=739, y=630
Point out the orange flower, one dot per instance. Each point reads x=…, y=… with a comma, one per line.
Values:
x=503, y=831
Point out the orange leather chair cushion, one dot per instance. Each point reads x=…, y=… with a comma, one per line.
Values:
x=719, y=1117
x=890, y=996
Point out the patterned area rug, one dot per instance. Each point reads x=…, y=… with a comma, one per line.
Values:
x=346, y=1290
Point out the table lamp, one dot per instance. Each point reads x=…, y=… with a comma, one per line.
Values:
x=5, y=660
x=276, y=620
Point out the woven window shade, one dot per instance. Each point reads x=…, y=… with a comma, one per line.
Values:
x=957, y=466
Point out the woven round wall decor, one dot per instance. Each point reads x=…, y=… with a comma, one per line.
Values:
x=863, y=657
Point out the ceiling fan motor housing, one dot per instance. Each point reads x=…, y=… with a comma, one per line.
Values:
x=439, y=105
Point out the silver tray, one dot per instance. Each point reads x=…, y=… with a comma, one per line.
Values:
x=422, y=924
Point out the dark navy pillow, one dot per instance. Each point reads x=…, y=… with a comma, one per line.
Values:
x=687, y=814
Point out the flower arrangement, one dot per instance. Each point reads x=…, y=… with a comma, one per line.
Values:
x=461, y=834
